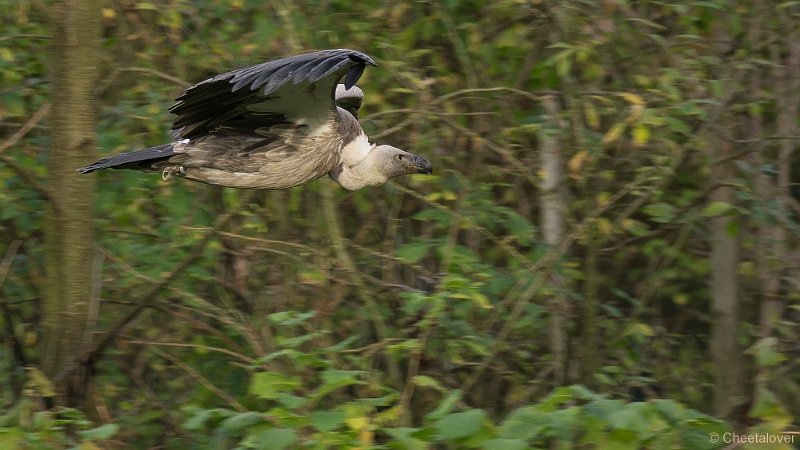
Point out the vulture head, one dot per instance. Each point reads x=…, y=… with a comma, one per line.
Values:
x=379, y=165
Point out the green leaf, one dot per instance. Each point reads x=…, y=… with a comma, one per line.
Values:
x=441, y=217
x=459, y=425
x=270, y=385
x=276, y=438
x=505, y=444
x=766, y=352
x=242, y=420
x=11, y=438
x=334, y=379
x=327, y=420
x=446, y=405
x=413, y=252
x=627, y=419
x=660, y=212
x=407, y=437
x=291, y=401
x=715, y=209
x=100, y=433
x=198, y=420
x=426, y=381
x=635, y=227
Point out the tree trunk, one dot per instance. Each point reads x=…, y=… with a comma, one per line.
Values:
x=726, y=354
x=552, y=224
x=67, y=307
x=773, y=235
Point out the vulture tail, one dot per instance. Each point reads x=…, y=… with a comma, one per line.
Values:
x=138, y=160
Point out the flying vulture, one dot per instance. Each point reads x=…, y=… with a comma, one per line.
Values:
x=274, y=126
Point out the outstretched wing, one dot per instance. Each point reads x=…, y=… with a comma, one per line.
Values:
x=298, y=91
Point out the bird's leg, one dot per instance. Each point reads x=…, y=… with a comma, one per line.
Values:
x=169, y=170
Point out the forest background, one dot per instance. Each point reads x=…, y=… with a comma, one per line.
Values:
x=606, y=256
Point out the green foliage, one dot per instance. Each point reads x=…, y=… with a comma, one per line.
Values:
x=25, y=427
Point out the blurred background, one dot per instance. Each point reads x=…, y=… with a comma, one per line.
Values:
x=606, y=255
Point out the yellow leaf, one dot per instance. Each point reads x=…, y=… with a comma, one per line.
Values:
x=39, y=382
x=635, y=113
x=641, y=80
x=632, y=98
x=482, y=300
x=6, y=54
x=433, y=196
x=613, y=133
x=420, y=178
x=390, y=415
x=109, y=14
x=366, y=437
x=575, y=164
x=357, y=423
x=639, y=329
x=31, y=338
x=641, y=134
x=603, y=198
x=604, y=226
x=449, y=195
x=592, y=118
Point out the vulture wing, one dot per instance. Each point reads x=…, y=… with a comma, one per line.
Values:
x=296, y=91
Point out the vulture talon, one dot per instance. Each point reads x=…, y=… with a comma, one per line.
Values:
x=166, y=174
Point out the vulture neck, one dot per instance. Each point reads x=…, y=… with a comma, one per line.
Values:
x=361, y=166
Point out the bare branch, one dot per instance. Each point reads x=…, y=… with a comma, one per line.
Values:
x=35, y=119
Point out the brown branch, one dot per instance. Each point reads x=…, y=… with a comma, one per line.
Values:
x=106, y=82
x=31, y=180
x=32, y=122
x=5, y=267
x=23, y=173
x=25, y=36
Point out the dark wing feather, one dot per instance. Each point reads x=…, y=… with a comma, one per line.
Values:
x=268, y=94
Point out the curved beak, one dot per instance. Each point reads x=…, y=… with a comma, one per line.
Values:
x=420, y=165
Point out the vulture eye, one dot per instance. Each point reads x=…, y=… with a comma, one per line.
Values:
x=399, y=157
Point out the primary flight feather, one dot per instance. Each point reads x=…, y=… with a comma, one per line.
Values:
x=274, y=125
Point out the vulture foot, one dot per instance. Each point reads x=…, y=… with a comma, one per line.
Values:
x=166, y=174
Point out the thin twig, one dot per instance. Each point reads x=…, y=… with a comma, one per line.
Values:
x=8, y=259
x=5, y=267
x=203, y=380
x=25, y=36
x=25, y=129
x=31, y=180
x=225, y=351
x=106, y=82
